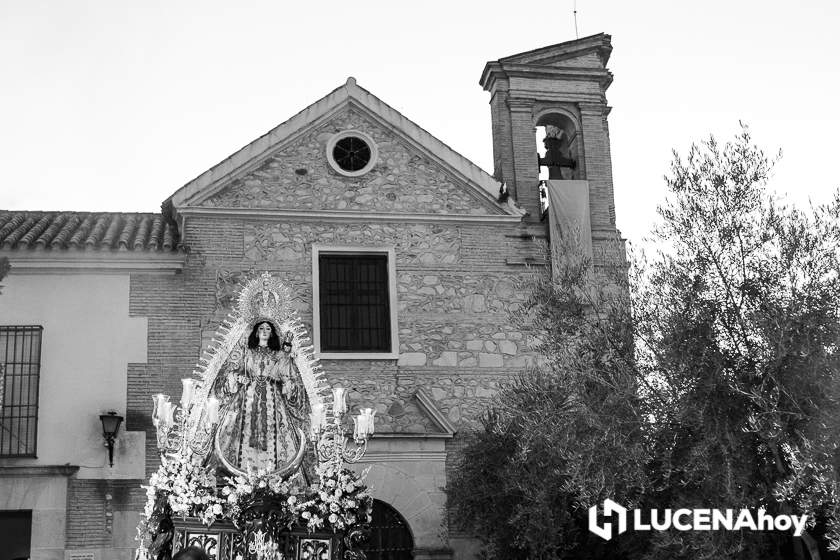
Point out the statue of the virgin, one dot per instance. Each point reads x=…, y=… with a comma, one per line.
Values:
x=264, y=403
x=265, y=380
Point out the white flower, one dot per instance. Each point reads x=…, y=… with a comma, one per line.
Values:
x=306, y=515
x=333, y=518
x=334, y=507
x=292, y=500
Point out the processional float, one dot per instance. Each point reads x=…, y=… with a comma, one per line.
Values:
x=253, y=458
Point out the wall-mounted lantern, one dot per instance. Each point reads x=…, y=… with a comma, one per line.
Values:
x=110, y=426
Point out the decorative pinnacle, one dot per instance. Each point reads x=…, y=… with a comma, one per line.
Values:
x=351, y=81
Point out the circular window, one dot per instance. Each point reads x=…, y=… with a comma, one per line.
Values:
x=351, y=153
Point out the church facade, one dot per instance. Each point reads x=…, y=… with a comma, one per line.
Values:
x=405, y=261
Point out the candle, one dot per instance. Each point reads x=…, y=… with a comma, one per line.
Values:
x=314, y=425
x=160, y=399
x=340, y=400
x=358, y=427
x=212, y=410
x=168, y=415
x=187, y=394
x=369, y=414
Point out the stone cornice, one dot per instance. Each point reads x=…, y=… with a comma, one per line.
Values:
x=411, y=435
x=37, y=470
x=345, y=216
x=84, y=262
x=588, y=107
x=548, y=62
x=496, y=71
x=381, y=456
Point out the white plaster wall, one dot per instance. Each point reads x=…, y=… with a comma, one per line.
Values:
x=47, y=498
x=87, y=342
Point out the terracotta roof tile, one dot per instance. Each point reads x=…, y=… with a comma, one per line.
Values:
x=87, y=230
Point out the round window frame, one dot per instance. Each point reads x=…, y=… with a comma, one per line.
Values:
x=374, y=153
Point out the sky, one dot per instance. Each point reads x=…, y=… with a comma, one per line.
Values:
x=113, y=105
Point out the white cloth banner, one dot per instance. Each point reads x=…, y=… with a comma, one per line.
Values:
x=568, y=215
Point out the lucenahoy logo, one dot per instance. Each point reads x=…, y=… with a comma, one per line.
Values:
x=691, y=520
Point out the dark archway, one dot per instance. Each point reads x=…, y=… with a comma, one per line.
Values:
x=559, y=146
x=390, y=536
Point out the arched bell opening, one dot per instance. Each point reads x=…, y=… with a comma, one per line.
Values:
x=390, y=534
x=559, y=147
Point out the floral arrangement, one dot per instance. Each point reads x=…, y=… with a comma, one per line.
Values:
x=242, y=492
x=341, y=501
x=190, y=489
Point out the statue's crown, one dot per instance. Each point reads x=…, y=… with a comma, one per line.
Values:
x=264, y=297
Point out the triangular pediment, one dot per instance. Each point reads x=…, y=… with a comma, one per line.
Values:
x=581, y=59
x=288, y=169
x=588, y=52
x=415, y=416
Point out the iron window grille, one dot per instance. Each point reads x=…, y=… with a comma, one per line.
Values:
x=354, y=303
x=20, y=372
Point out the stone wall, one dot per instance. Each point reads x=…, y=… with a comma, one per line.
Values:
x=297, y=176
x=453, y=319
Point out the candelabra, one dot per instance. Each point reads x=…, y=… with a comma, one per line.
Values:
x=332, y=445
x=176, y=433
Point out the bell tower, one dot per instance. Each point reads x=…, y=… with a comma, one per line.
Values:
x=560, y=89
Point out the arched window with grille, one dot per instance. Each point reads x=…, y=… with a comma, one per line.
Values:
x=390, y=536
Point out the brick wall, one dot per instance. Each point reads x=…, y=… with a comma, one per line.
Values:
x=90, y=509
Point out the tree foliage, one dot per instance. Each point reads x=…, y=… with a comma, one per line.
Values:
x=738, y=322
x=715, y=385
x=563, y=436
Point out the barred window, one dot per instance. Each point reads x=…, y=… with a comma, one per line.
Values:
x=20, y=370
x=355, y=313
